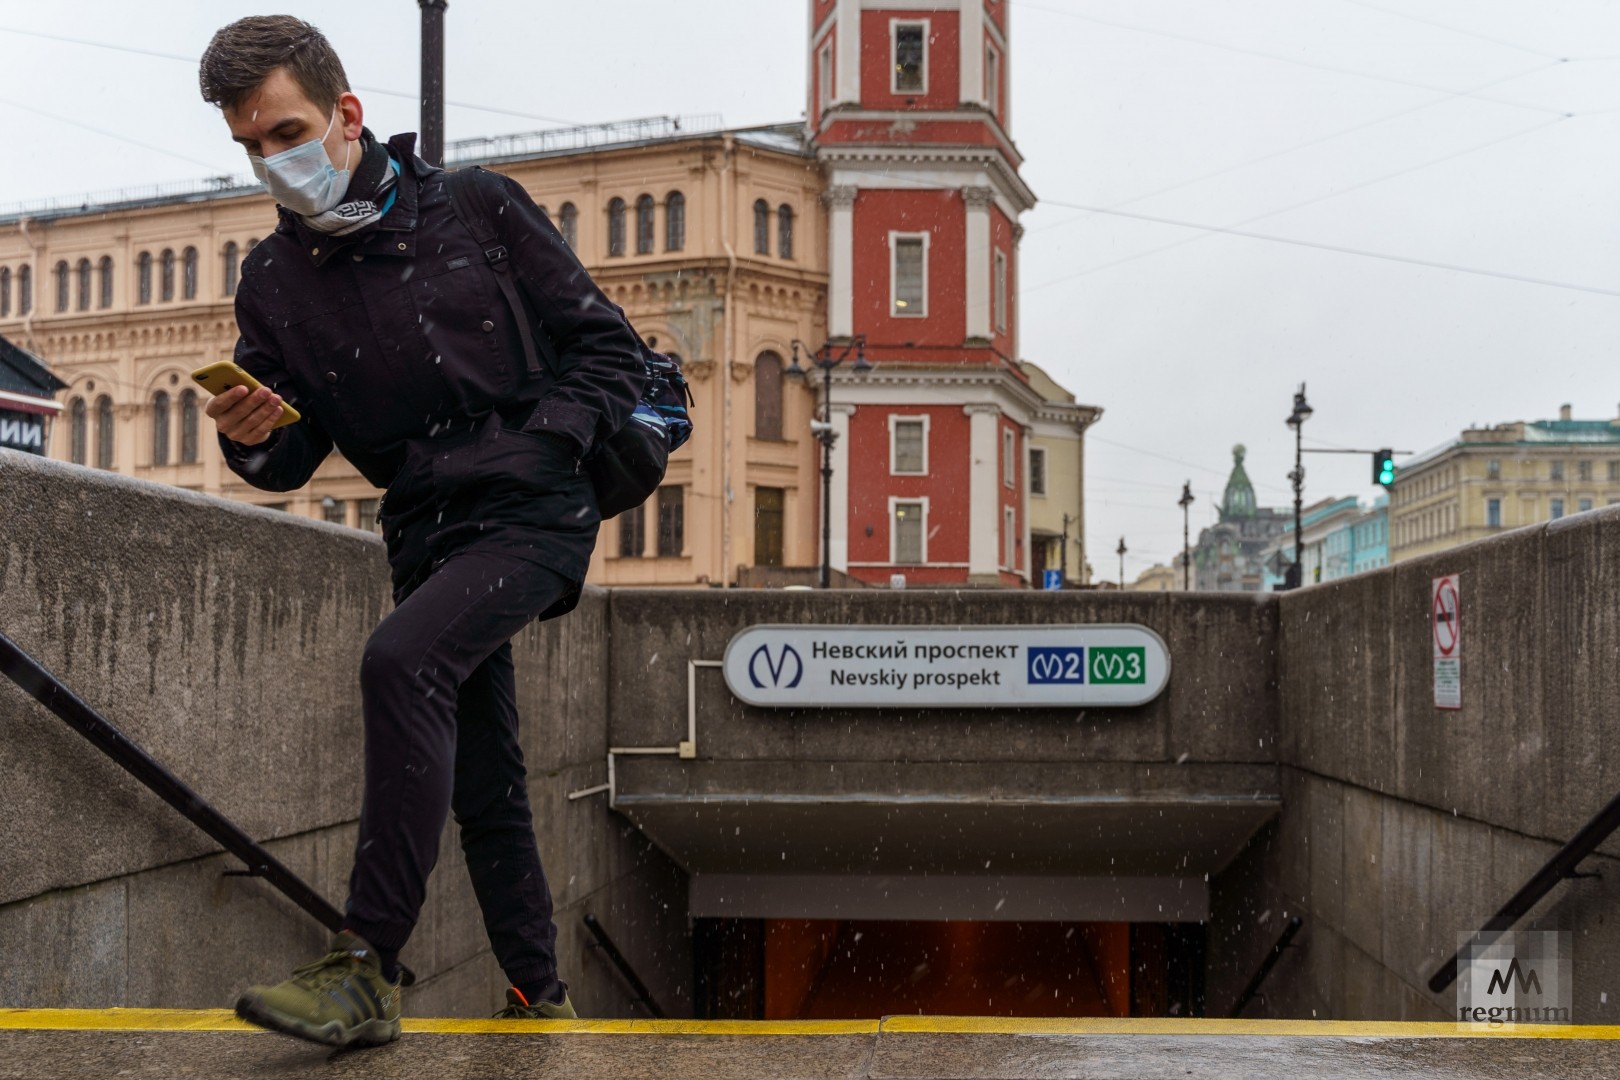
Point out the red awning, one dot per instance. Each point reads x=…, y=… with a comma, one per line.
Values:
x=24, y=403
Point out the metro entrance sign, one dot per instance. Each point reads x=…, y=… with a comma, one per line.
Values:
x=876, y=667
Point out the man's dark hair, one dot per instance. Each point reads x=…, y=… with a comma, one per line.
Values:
x=243, y=54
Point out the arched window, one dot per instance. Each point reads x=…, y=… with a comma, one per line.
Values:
x=104, y=432
x=106, y=298
x=166, y=286
x=570, y=224
x=762, y=227
x=784, y=231
x=83, y=270
x=188, y=281
x=252, y=243
x=674, y=221
x=644, y=225
x=188, y=427
x=616, y=227
x=143, y=278
x=5, y=292
x=160, y=428
x=768, y=396
x=25, y=290
x=62, y=285
x=233, y=267
x=77, y=431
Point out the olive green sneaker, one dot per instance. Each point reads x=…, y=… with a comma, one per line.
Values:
x=518, y=1008
x=341, y=999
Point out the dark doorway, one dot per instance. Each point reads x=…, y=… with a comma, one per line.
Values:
x=821, y=969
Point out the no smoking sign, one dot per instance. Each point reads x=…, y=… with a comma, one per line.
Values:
x=1445, y=615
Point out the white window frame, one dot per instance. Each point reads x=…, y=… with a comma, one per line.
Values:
x=894, y=56
x=1009, y=466
x=894, y=502
x=998, y=285
x=1493, y=503
x=1045, y=479
x=1009, y=539
x=894, y=277
x=895, y=419
x=992, y=77
x=824, y=73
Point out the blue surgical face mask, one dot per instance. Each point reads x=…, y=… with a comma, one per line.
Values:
x=302, y=179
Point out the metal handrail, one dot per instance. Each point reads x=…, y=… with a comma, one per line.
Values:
x=623, y=965
x=48, y=690
x=1270, y=961
x=1561, y=866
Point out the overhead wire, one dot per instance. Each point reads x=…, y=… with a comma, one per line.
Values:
x=1278, y=57
x=1342, y=249
x=1298, y=205
x=212, y=166
x=193, y=60
x=1384, y=119
x=1453, y=29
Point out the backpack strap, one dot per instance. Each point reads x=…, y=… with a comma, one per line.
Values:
x=468, y=204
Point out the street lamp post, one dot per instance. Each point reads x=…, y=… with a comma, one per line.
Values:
x=1063, y=550
x=1185, y=502
x=823, y=430
x=1120, y=551
x=433, y=80
x=1302, y=412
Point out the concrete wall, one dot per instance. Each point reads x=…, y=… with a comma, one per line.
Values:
x=226, y=641
x=1404, y=825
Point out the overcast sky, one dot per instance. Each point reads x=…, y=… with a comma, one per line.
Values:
x=1428, y=130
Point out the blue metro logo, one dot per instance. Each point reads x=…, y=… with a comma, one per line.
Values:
x=1048, y=665
x=776, y=669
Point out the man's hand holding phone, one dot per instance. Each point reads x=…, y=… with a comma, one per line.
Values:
x=244, y=411
x=245, y=416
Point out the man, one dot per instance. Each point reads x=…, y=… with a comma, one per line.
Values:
x=374, y=312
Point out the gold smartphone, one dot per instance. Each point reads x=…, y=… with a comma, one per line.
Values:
x=220, y=377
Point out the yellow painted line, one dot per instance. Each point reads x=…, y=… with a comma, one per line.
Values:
x=1341, y=1029
x=224, y=1020
x=643, y=1027
x=122, y=1020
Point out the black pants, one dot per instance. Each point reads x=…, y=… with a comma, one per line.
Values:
x=441, y=730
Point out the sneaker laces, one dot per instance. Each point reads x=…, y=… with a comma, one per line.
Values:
x=332, y=968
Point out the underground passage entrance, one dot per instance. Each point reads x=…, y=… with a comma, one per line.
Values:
x=823, y=969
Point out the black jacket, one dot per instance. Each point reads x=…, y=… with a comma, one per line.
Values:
x=398, y=349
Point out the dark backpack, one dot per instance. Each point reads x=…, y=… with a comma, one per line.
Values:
x=627, y=466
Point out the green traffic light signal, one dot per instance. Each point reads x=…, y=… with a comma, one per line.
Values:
x=1384, y=468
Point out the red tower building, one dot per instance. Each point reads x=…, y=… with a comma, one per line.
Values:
x=908, y=116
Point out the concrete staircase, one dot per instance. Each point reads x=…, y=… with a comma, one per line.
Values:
x=44, y=1044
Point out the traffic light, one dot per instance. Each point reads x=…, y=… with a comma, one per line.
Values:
x=1384, y=468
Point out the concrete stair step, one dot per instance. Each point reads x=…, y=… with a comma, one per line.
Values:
x=44, y=1044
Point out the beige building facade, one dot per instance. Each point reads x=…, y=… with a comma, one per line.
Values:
x=714, y=244
x=1057, y=467
x=1503, y=477
x=1158, y=578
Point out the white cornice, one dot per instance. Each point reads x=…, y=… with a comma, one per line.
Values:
x=919, y=384
x=929, y=167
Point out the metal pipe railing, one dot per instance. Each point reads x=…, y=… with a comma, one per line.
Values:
x=1283, y=939
x=1558, y=868
x=605, y=943
x=45, y=688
